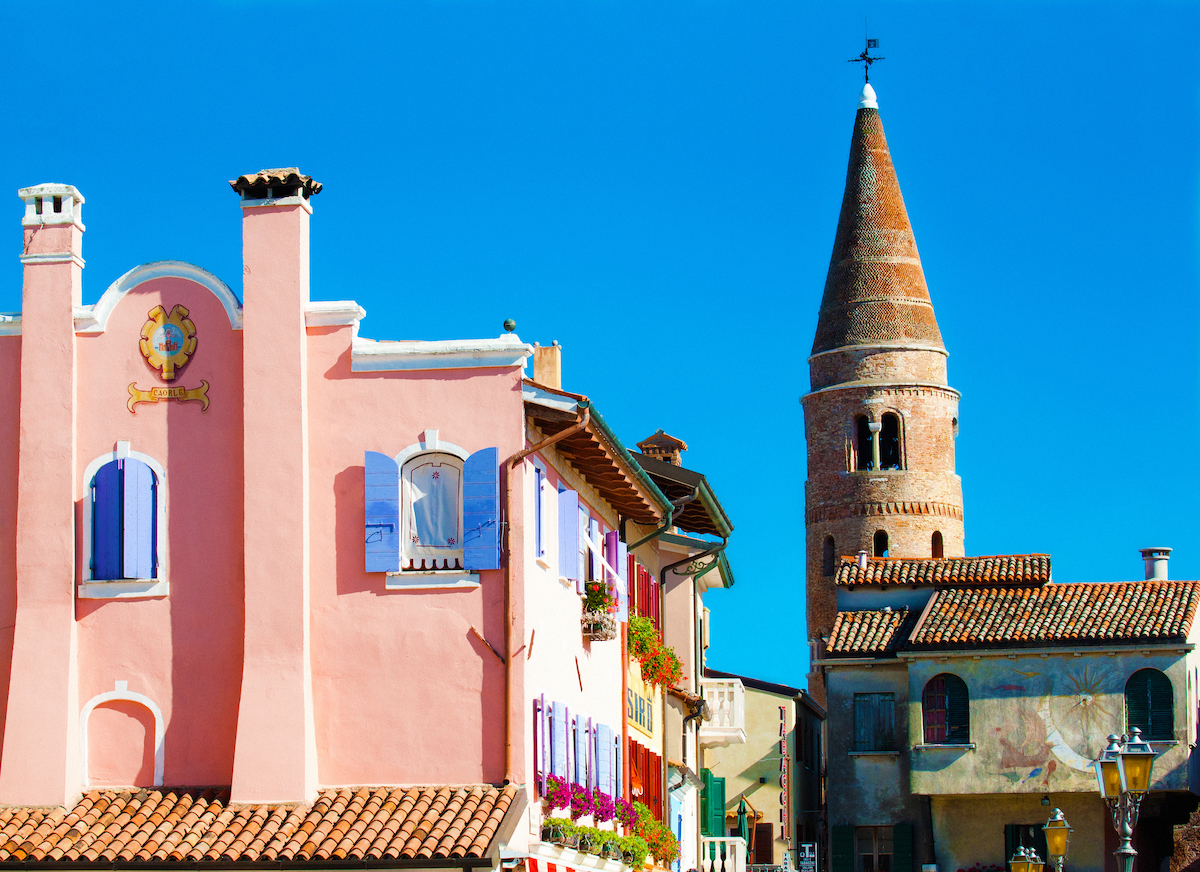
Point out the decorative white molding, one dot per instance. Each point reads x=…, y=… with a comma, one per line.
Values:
x=436, y=580
x=898, y=345
x=129, y=588
x=369, y=355
x=122, y=692
x=70, y=205
x=431, y=445
x=333, y=313
x=53, y=257
x=10, y=323
x=93, y=319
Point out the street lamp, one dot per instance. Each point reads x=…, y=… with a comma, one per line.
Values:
x=1123, y=775
x=1025, y=860
x=1058, y=837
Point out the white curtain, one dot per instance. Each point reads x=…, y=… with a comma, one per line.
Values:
x=433, y=510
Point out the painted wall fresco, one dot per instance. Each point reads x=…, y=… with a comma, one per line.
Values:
x=1038, y=722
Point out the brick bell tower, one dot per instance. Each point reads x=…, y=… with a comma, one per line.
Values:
x=880, y=419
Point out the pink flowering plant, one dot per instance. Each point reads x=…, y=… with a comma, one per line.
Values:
x=558, y=793
x=626, y=813
x=603, y=807
x=581, y=802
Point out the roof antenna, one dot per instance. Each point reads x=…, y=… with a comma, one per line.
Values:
x=866, y=58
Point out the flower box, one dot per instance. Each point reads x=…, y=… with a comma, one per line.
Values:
x=599, y=626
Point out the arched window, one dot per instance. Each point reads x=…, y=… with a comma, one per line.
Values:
x=1150, y=704
x=946, y=711
x=881, y=543
x=889, y=442
x=827, y=556
x=431, y=501
x=124, y=515
x=936, y=545
x=863, y=444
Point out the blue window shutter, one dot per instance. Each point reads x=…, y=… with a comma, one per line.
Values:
x=137, y=520
x=539, y=512
x=106, y=521
x=591, y=754
x=615, y=552
x=568, y=534
x=569, y=742
x=481, y=510
x=604, y=773
x=539, y=745
x=593, y=534
x=584, y=556
x=558, y=739
x=618, y=771
x=381, y=490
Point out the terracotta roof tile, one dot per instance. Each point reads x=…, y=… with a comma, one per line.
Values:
x=190, y=825
x=281, y=177
x=1024, y=569
x=1057, y=613
x=867, y=632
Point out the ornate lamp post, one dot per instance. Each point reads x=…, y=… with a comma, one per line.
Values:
x=1058, y=838
x=1123, y=774
x=1025, y=860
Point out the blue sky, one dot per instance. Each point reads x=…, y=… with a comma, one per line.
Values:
x=656, y=186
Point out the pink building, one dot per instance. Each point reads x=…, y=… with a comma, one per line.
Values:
x=243, y=546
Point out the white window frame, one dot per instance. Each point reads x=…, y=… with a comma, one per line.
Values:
x=428, y=579
x=129, y=588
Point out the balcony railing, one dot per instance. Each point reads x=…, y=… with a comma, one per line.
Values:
x=722, y=855
x=725, y=699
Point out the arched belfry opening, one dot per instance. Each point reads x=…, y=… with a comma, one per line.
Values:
x=889, y=442
x=880, y=544
x=864, y=444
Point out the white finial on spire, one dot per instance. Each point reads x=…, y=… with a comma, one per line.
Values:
x=866, y=100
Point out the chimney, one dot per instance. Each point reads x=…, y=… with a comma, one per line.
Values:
x=1156, y=563
x=275, y=751
x=547, y=365
x=662, y=446
x=862, y=559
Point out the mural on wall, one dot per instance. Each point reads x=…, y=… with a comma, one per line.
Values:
x=1041, y=731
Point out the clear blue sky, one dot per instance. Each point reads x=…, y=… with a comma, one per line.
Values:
x=656, y=186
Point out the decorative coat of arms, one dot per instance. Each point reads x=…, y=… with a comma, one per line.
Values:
x=168, y=340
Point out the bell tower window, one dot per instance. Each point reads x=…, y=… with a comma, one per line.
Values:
x=827, y=556
x=889, y=442
x=864, y=444
x=937, y=550
x=880, y=543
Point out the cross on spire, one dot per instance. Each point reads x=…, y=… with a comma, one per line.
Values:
x=866, y=58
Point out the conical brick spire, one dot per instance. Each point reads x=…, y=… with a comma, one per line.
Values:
x=875, y=292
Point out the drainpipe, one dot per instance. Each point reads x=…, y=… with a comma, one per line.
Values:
x=509, y=660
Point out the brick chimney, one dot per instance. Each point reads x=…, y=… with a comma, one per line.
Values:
x=40, y=763
x=662, y=446
x=275, y=754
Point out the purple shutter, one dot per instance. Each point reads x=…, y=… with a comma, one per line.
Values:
x=106, y=522
x=591, y=755
x=614, y=553
x=541, y=744
x=593, y=534
x=481, y=510
x=604, y=758
x=581, y=775
x=623, y=568
x=568, y=534
x=568, y=741
x=137, y=520
x=618, y=772
x=585, y=561
x=558, y=739
x=381, y=493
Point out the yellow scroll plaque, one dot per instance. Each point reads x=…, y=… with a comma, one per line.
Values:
x=168, y=340
x=157, y=395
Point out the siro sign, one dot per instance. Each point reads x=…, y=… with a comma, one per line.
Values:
x=643, y=704
x=639, y=711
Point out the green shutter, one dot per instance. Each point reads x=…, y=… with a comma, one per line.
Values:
x=716, y=809
x=843, y=849
x=706, y=776
x=1150, y=704
x=902, y=848
x=958, y=711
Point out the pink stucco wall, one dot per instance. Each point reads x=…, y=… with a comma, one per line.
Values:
x=10, y=420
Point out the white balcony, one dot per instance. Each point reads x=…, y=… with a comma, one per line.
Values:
x=725, y=699
x=722, y=855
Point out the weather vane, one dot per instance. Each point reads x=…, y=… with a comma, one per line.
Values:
x=866, y=58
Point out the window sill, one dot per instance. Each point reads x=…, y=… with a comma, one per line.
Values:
x=945, y=746
x=444, y=579
x=874, y=753
x=542, y=562
x=133, y=588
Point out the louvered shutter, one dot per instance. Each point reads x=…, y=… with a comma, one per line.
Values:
x=618, y=768
x=539, y=744
x=958, y=711
x=381, y=494
x=604, y=773
x=1162, y=707
x=716, y=808
x=481, y=510
x=902, y=848
x=581, y=751
x=568, y=535
x=106, y=522
x=581, y=551
x=706, y=778
x=623, y=568
x=539, y=511
x=137, y=520
x=842, y=843
x=864, y=721
x=558, y=740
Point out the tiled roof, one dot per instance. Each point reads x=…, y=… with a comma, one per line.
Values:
x=867, y=632
x=283, y=176
x=1057, y=613
x=200, y=826
x=1005, y=569
x=875, y=289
